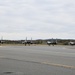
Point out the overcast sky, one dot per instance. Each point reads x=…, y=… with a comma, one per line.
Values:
x=39, y=19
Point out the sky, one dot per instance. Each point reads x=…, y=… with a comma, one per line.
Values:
x=39, y=19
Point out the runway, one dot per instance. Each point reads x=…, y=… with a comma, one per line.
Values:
x=37, y=60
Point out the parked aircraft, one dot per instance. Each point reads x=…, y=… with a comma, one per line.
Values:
x=2, y=41
x=71, y=43
x=52, y=42
x=29, y=42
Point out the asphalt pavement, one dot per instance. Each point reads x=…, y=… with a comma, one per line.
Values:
x=37, y=60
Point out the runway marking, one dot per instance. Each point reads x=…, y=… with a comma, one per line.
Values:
x=59, y=65
x=45, y=63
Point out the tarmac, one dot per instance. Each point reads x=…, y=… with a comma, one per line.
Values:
x=37, y=60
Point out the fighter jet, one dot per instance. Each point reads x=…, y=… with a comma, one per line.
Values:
x=52, y=42
x=2, y=41
x=29, y=42
x=71, y=43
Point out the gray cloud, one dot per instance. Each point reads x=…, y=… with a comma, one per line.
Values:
x=44, y=17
